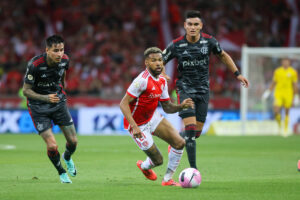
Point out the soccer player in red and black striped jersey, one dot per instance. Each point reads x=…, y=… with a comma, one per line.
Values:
x=192, y=52
x=44, y=89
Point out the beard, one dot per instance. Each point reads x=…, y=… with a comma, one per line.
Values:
x=154, y=72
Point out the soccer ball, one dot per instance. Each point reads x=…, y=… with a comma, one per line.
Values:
x=189, y=178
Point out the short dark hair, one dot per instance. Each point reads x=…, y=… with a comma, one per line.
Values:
x=54, y=39
x=192, y=14
x=151, y=50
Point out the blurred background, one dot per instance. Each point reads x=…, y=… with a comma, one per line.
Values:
x=105, y=41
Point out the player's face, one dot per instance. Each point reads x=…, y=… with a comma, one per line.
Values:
x=55, y=52
x=154, y=64
x=285, y=62
x=193, y=26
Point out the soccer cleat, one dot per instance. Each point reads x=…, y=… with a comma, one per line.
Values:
x=70, y=166
x=64, y=178
x=299, y=165
x=149, y=174
x=171, y=182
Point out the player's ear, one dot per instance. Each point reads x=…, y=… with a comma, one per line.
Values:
x=146, y=62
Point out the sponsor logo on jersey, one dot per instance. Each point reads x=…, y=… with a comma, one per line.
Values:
x=203, y=41
x=62, y=64
x=45, y=84
x=167, y=55
x=153, y=96
x=193, y=63
x=183, y=45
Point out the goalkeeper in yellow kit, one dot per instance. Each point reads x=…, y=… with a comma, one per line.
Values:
x=285, y=93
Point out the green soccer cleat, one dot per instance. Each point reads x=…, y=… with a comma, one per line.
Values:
x=64, y=178
x=70, y=166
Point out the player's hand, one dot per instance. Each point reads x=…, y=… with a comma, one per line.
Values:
x=53, y=98
x=136, y=132
x=187, y=103
x=296, y=100
x=243, y=80
x=266, y=94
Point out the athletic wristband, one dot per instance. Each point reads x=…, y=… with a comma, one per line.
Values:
x=237, y=73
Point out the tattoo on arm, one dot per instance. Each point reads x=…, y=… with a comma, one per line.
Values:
x=28, y=92
x=170, y=107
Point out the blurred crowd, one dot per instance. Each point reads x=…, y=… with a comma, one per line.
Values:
x=105, y=39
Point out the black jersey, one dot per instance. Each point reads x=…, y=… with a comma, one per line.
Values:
x=193, y=61
x=45, y=79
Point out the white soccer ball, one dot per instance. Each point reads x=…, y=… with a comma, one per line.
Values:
x=189, y=178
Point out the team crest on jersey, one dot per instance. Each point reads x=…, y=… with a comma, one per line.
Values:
x=30, y=77
x=39, y=126
x=204, y=50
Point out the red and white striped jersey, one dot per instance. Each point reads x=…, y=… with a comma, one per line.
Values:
x=147, y=91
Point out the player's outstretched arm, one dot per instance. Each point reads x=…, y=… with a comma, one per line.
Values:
x=268, y=91
x=170, y=107
x=124, y=106
x=227, y=60
x=29, y=93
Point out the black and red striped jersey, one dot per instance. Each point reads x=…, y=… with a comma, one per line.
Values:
x=45, y=79
x=193, y=61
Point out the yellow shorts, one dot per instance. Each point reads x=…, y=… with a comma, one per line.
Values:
x=283, y=100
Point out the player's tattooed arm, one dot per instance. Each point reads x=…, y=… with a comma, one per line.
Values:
x=170, y=107
x=29, y=93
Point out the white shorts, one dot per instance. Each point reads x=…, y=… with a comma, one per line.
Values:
x=146, y=141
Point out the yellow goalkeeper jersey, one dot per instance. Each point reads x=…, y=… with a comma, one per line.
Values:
x=284, y=79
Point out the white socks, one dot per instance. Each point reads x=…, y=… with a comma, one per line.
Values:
x=147, y=164
x=174, y=159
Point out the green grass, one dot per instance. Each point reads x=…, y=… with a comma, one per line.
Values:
x=231, y=168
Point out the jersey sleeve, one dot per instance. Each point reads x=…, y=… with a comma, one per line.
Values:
x=165, y=94
x=169, y=53
x=30, y=73
x=137, y=87
x=215, y=46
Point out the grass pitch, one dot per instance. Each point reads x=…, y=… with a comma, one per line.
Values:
x=231, y=168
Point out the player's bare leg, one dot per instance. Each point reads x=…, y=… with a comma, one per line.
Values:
x=70, y=135
x=190, y=136
x=54, y=155
x=154, y=159
x=166, y=132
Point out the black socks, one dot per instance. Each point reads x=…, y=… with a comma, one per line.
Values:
x=70, y=149
x=54, y=156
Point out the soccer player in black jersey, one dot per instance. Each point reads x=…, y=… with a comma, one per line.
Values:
x=44, y=89
x=192, y=52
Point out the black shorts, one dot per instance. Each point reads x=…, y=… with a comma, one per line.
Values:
x=201, y=105
x=42, y=115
